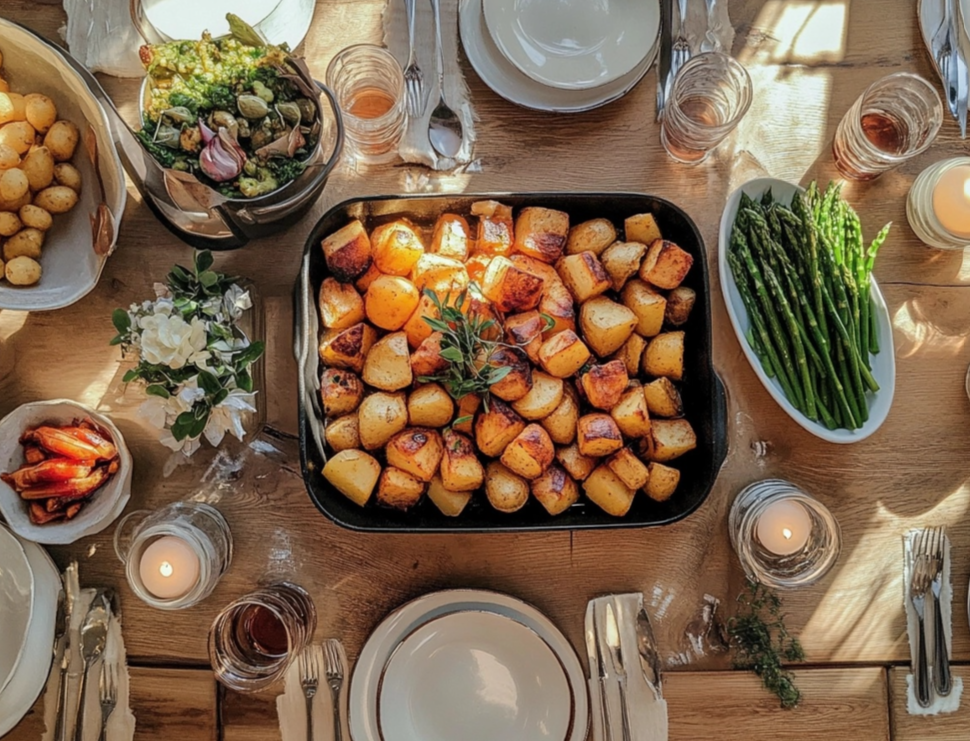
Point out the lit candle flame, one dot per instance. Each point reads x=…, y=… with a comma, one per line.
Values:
x=165, y=569
x=787, y=533
x=966, y=187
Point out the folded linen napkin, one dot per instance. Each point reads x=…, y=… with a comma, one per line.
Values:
x=951, y=702
x=291, y=705
x=101, y=36
x=645, y=704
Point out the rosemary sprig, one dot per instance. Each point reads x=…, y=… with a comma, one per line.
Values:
x=761, y=642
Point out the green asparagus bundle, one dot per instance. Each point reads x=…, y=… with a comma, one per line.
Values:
x=805, y=276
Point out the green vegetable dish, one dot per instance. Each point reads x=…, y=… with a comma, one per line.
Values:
x=234, y=112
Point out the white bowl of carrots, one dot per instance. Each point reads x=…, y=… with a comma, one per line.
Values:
x=54, y=456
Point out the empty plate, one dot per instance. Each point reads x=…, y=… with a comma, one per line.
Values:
x=475, y=676
x=16, y=603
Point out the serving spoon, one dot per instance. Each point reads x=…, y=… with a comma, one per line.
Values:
x=444, y=129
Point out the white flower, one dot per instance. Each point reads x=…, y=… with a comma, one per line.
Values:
x=227, y=417
x=236, y=301
x=188, y=446
x=171, y=341
x=155, y=410
x=161, y=290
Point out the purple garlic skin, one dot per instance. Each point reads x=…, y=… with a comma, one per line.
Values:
x=222, y=159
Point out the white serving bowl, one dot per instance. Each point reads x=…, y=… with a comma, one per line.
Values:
x=70, y=265
x=883, y=364
x=100, y=511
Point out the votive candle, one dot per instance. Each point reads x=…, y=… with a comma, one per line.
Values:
x=169, y=567
x=951, y=200
x=784, y=527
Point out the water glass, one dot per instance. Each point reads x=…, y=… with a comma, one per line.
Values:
x=708, y=98
x=895, y=119
x=254, y=639
x=369, y=86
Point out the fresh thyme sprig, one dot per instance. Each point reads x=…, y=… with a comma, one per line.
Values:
x=761, y=642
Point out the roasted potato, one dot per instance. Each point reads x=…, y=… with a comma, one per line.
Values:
x=631, y=354
x=605, y=384
x=680, y=301
x=631, y=413
x=663, y=398
x=10, y=224
x=460, y=468
x=61, y=138
x=68, y=175
x=369, y=276
x=25, y=243
x=598, y=435
x=353, y=473
x=557, y=304
x=518, y=381
x=563, y=354
x=536, y=267
x=40, y=112
x=496, y=428
x=590, y=236
x=416, y=328
x=583, y=275
x=388, y=364
x=494, y=227
x=670, y=438
x=417, y=450
x=511, y=288
x=641, y=228
x=35, y=217
x=390, y=301
x=542, y=399
x=628, y=468
x=38, y=166
x=506, y=492
x=578, y=466
x=606, y=490
x=22, y=271
x=648, y=304
x=343, y=433
x=443, y=275
x=398, y=489
x=427, y=360
x=450, y=503
x=664, y=356
x=530, y=453
x=340, y=391
x=347, y=251
x=397, y=247
x=347, y=348
x=467, y=406
x=451, y=237
x=340, y=304
x=560, y=423
x=665, y=264
x=555, y=490
x=606, y=325
x=56, y=199
x=541, y=233
x=430, y=406
x=380, y=417
x=525, y=331
x=662, y=482
x=621, y=261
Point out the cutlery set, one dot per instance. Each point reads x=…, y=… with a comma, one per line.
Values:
x=944, y=33
x=926, y=583
x=675, y=47
x=329, y=668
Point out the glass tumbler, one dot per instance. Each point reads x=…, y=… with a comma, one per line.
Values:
x=707, y=100
x=254, y=639
x=895, y=119
x=369, y=86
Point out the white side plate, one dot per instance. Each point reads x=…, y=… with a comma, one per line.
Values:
x=16, y=603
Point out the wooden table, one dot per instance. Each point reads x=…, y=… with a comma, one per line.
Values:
x=809, y=60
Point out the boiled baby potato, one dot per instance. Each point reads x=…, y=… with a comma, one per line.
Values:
x=8, y=157
x=26, y=243
x=35, y=217
x=66, y=174
x=15, y=205
x=40, y=111
x=10, y=224
x=13, y=184
x=381, y=416
x=555, y=490
x=451, y=503
x=605, y=489
x=61, y=139
x=390, y=301
x=57, y=199
x=416, y=450
x=343, y=433
x=398, y=489
x=13, y=107
x=430, y=406
x=18, y=135
x=23, y=271
x=506, y=492
x=354, y=474
x=388, y=364
x=340, y=304
x=460, y=468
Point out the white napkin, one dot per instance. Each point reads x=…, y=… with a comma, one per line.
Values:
x=415, y=146
x=291, y=705
x=718, y=37
x=101, y=35
x=646, y=707
x=951, y=702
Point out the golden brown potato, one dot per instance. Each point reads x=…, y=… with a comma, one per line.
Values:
x=340, y=304
x=25, y=243
x=343, y=433
x=460, y=468
x=506, y=492
x=562, y=355
x=542, y=399
x=630, y=469
x=605, y=384
x=606, y=490
x=369, y=276
x=13, y=184
x=57, y=199
x=578, y=466
x=496, y=428
x=477, y=307
x=680, y=301
x=445, y=276
x=61, y=138
x=557, y=304
x=631, y=413
x=13, y=107
x=583, y=275
x=427, y=360
x=555, y=490
x=671, y=438
x=541, y=233
x=494, y=227
x=18, y=135
x=641, y=228
x=560, y=423
x=8, y=157
x=388, y=364
x=590, y=236
x=648, y=304
x=347, y=348
x=510, y=288
x=67, y=175
x=22, y=271
x=536, y=267
x=340, y=391
x=451, y=503
x=430, y=406
x=417, y=450
x=664, y=356
x=10, y=224
x=621, y=260
x=631, y=354
x=40, y=111
x=663, y=398
x=598, y=435
x=451, y=237
x=390, y=301
x=606, y=325
x=525, y=331
x=380, y=417
x=398, y=489
x=662, y=482
x=35, y=217
x=347, y=251
x=518, y=382
x=397, y=247
x=353, y=473
x=530, y=453
x=467, y=407
x=665, y=264
x=38, y=166
x=416, y=328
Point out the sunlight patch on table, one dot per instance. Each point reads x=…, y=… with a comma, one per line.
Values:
x=788, y=32
x=918, y=332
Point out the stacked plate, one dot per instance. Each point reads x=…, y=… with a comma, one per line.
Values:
x=472, y=665
x=29, y=586
x=560, y=55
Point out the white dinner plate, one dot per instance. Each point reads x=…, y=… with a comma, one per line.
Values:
x=573, y=44
x=16, y=602
x=475, y=676
x=396, y=627
x=883, y=364
x=506, y=80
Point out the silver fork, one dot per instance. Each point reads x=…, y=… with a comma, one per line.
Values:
x=941, y=658
x=335, y=678
x=680, y=51
x=413, y=77
x=918, y=584
x=109, y=694
x=953, y=68
x=309, y=679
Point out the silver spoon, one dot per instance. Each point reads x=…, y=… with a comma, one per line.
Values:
x=94, y=634
x=444, y=129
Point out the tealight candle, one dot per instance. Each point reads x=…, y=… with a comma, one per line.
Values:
x=784, y=527
x=951, y=200
x=169, y=567
x=938, y=204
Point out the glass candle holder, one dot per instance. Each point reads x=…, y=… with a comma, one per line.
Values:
x=895, y=119
x=938, y=205
x=369, y=86
x=175, y=556
x=254, y=639
x=783, y=536
x=708, y=98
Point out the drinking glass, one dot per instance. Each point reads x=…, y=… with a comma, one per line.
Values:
x=895, y=119
x=369, y=86
x=708, y=98
x=254, y=639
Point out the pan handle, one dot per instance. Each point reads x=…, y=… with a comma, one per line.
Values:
x=719, y=423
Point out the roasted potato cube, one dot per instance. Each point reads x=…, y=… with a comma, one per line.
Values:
x=542, y=399
x=369, y=276
x=557, y=304
x=416, y=328
x=494, y=227
x=577, y=465
x=641, y=228
x=430, y=406
x=630, y=469
x=631, y=354
x=397, y=247
x=541, y=233
x=680, y=301
x=380, y=417
x=583, y=275
x=560, y=423
x=648, y=305
x=664, y=356
x=621, y=261
x=353, y=473
x=467, y=406
x=506, y=492
x=605, y=384
x=665, y=264
x=518, y=382
x=460, y=468
x=388, y=364
x=340, y=391
x=451, y=237
x=398, y=489
x=390, y=301
x=477, y=265
x=340, y=305
x=606, y=490
x=536, y=267
x=451, y=503
x=590, y=236
x=440, y=274
x=496, y=428
x=427, y=360
x=347, y=348
x=343, y=433
x=663, y=398
x=530, y=453
x=606, y=325
x=555, y=490
x=562, y=355
x=478, y=307
x=510, y=288
x=662, y=481
x=525, y=331
x=670, y=438
x=631, y=413
x=417, y=450
x=598, y=435
x=347, y=252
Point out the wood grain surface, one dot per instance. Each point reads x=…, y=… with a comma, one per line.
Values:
x=808, y=60
x=945, y=727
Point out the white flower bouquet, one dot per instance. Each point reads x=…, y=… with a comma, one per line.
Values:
x=192, y=356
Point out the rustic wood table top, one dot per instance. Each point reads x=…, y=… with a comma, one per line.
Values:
x=809, y=60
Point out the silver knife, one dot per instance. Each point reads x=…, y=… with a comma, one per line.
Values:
x=961, y=73
x=597, y=671
x=647, y=649
x=948, y=57
x=666, y=49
